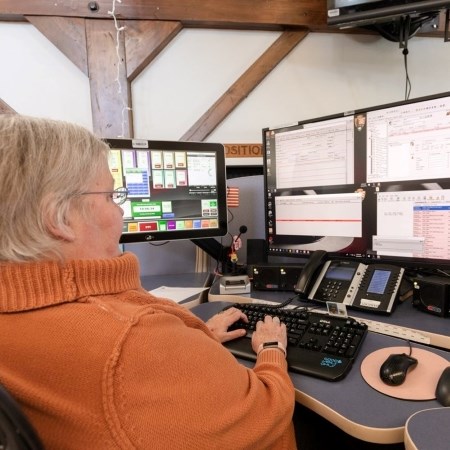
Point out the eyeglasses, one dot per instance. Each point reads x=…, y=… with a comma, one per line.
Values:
x=118, y=195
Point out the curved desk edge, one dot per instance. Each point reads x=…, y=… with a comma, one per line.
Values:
x=357, y=430
x=428, y=429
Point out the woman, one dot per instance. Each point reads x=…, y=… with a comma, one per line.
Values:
x=95, y=360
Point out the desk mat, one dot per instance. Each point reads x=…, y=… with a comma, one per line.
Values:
x=420, y=383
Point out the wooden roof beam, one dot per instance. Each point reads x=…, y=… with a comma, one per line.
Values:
x=244, y=85
x=225, y=13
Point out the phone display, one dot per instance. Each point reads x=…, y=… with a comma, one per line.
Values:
x=378, y=282
x=379, y=288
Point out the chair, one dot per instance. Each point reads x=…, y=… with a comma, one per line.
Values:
x=16, y=432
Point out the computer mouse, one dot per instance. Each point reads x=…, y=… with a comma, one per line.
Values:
x=394, y=370
x=443, y=388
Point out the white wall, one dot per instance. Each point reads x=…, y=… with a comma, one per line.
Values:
x=324, y=74
x=38, y=80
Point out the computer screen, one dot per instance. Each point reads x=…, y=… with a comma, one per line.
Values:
x=176, y=190
x=372, y=183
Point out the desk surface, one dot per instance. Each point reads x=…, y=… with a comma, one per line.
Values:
x=428, y=429
x=351, y=404
x=422, y=327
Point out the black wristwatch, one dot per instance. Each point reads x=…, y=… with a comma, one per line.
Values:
x=271, y=344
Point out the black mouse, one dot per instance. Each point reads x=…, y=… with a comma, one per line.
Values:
x=443, y=388
x=394, y=370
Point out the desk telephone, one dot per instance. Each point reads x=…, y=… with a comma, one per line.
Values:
x=372, y=287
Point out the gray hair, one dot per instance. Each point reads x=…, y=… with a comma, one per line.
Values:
x=44, y=165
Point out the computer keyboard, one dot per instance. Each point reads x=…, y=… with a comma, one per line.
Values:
x=319, y=345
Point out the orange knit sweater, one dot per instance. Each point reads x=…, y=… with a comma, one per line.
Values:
x=98, y=363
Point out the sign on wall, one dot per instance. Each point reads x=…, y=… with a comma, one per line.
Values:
x=243, y=150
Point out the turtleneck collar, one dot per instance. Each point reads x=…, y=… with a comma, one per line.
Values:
x=32, y=285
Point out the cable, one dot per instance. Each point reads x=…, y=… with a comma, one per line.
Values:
x=159, y=245
x=408, y=81
x=119, y=30
x=283, y=304
x=410, y=346
x=401, y=31
x=405, y=34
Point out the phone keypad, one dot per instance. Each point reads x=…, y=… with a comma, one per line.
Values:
x=330, y=291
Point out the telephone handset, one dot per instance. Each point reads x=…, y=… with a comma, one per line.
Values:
x=309, y=272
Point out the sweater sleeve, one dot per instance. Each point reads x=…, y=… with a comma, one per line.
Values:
x=170, y=385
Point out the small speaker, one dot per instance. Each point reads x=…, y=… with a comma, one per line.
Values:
x=432, y=295
x=256, y=254
x=265, y=277
x=273, y=277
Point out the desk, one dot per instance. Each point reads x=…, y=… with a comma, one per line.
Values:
x=428, y=429
x=351, y=404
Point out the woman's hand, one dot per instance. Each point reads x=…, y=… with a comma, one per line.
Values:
x=269, y=330
x=219, y=324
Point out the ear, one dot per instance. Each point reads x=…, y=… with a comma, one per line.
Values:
x=64, y=232
x=61, y=230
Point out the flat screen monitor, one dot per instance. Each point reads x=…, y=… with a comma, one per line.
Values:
x=372, y=184
x=176, y=190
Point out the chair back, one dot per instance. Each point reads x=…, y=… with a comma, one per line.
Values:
x=16, y=431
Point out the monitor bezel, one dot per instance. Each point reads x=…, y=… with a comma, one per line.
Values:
x=185, y=234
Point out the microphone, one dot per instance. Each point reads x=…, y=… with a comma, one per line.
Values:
x=236, y=244
x=242, y=230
